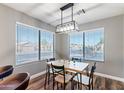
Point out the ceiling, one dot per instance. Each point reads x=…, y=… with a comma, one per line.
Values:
x=51, y=14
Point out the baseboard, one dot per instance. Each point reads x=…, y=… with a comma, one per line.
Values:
x=96, y=73
x=38, y=74
x=110, y=77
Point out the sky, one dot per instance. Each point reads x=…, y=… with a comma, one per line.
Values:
x=91, y=37
x=25, y=33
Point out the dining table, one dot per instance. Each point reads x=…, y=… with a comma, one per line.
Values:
x=71, y=65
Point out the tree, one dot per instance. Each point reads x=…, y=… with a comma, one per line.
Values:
x=44, y=42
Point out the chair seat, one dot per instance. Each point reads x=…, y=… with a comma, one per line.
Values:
x=15, y=82
x=9, y=86
x=85, y=79
x=60, y=78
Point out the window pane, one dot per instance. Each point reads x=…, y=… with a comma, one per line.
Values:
x=46, y=44
x=26, y=44
x=76, y=44
x=94, y=45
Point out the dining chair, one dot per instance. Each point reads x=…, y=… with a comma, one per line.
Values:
x=59, y=76
x=6, y=71
x=87, y=80
x=76, y=59
x=52, y=59
x=48, y=72
x=18, y=81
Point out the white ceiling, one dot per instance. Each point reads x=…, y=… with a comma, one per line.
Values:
x=51, y=14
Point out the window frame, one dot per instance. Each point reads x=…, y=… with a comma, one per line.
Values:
x=39, y=36
x=83, y=40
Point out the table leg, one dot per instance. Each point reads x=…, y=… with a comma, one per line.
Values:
x=87, y=70
x=80, y=80
x=46, y=77
x=45, y=80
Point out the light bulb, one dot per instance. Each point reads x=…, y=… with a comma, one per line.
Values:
x=68, y=27
x=72, y=26
x=57, y=29
x=64, y=27
x=61, y=29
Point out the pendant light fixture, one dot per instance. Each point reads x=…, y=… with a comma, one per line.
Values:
x=68, y=26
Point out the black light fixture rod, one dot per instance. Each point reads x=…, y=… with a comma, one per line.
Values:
x=72, y=13
x=66, y=6
x=61, y=17
x=83, y=11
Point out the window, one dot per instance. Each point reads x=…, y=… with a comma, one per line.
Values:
x=76, y=45
x=94, y=45
x=88, y=45
x=46, y=45
x=27, y=44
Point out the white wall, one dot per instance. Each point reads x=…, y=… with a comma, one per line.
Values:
x=62, y=46
x=114, y=50
x=8, y=19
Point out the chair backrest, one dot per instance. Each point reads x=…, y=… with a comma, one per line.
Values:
x=58, y=70
x=52, y=59
x=76, y=59
x=6, y=71
x=92, y=71
x=48, y=60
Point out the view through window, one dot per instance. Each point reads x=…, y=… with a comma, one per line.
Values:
x=46, y=44
x=88, y=45
x=76, y=45
x=27, y=44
